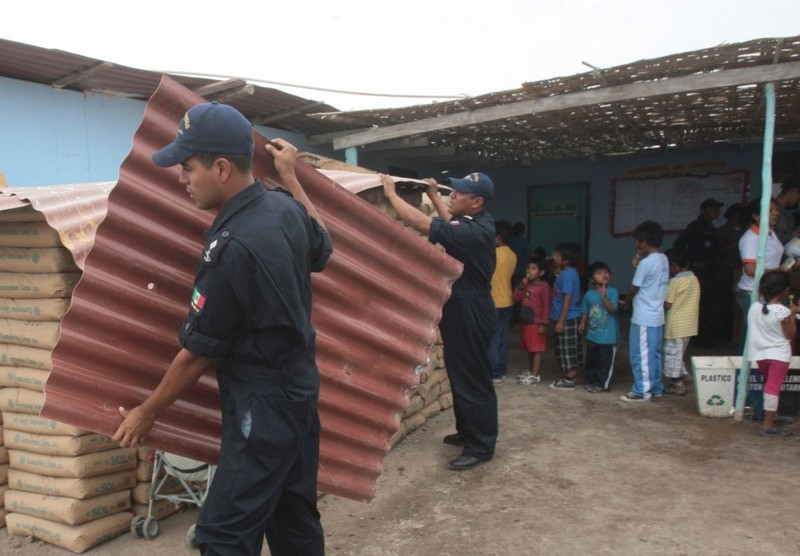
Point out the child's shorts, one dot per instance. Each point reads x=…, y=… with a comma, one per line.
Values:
x=533, y=341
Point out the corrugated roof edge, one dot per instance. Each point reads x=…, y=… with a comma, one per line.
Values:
x=376, y=308
x=74, y=211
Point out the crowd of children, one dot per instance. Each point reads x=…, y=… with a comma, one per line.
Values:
x=665, y=299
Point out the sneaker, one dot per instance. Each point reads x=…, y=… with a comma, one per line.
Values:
x=659, y=395
x=525, y=374
x=784, y=420
x=774, y=432
x=530, y=379
x=498, y=379
x=594, y=389
x=630, y=397
x=675, y=389
x=564, y=384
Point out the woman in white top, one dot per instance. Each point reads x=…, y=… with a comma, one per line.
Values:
x=748, y=250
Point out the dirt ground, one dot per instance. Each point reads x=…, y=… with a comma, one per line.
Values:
x=574, y=473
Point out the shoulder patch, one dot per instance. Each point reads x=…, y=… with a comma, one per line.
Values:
x=214, y=247
x=198, y=301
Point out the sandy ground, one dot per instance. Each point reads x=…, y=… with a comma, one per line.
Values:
x=574, y=473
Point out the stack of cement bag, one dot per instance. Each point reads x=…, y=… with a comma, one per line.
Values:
x=143, y=490
x=66, y=486
x=429, y=398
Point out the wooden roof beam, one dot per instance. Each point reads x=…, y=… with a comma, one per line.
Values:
x=397, y=144
x=62, y=82
x=278, y=116
x=218, y=87
x=675, y=85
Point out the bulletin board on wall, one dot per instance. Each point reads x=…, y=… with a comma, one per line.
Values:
x=672, y=201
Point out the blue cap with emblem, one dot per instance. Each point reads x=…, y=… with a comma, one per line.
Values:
x=476, y=183
x=208, y=128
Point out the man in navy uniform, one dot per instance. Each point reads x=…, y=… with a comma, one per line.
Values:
x=249, y=320
x=467, y=233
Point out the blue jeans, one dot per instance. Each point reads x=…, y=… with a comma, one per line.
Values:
x=498, y=349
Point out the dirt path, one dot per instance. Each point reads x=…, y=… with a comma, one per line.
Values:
x=574, y=473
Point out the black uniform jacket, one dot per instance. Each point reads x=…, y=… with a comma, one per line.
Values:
x=251, y=303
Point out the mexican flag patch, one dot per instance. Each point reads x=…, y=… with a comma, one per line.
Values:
x=198, y=300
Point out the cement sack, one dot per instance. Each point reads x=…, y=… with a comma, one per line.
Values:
x=28, y=234
x=37, y=286
x=4, y=473
x=142, y=491
x=89, y=465
x=25, y=422
x=427, y=412
x=23, y=377
x=144, y=471
x=57, y=445
x=20, y=400
x=3, y=489
x=161, y=509
x=21, y=214
x=415, y=403
x=33, y=309
x=75, y=538
x=24, y=356
x=71, y=487
x=3, y=454
x=37, y=260
x=145, y=453
x=71, y=511
x=2, y=518
x=37, y=334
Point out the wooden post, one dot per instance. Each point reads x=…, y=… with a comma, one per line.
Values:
x=351, y=156
x=763, y=229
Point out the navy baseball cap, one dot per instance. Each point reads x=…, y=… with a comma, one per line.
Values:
x=476, y=183
x=208, y=128
x=710, y=202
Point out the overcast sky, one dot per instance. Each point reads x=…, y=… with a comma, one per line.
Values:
x=445, y=48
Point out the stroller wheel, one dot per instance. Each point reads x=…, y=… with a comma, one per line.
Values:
x=137, y=526
x=190, y=538
x=150, y=528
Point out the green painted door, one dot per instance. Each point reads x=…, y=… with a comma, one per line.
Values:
x=558, y=213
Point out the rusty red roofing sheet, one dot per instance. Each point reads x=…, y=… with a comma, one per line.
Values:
x=75, y=211
x=376, y=307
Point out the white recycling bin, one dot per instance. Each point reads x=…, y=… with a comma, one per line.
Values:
x=715, y=381
x=715, y=384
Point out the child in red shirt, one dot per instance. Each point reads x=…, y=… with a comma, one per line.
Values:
x=533, y=293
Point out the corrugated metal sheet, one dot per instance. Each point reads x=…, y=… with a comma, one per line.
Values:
x=75, y=211
x=47, y=66
x=376, y=307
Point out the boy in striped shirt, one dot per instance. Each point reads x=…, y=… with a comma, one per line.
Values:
x=682, y=308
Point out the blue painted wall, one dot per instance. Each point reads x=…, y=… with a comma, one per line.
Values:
x=56, y=137
x=512, y=183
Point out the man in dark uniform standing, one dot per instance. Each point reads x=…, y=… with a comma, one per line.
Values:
x=701, y=242
x=467, y=233
x=249, y=320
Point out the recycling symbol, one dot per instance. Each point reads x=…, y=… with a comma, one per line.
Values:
x=715, y=400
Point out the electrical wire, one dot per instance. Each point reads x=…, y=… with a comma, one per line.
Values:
x=311, y=88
